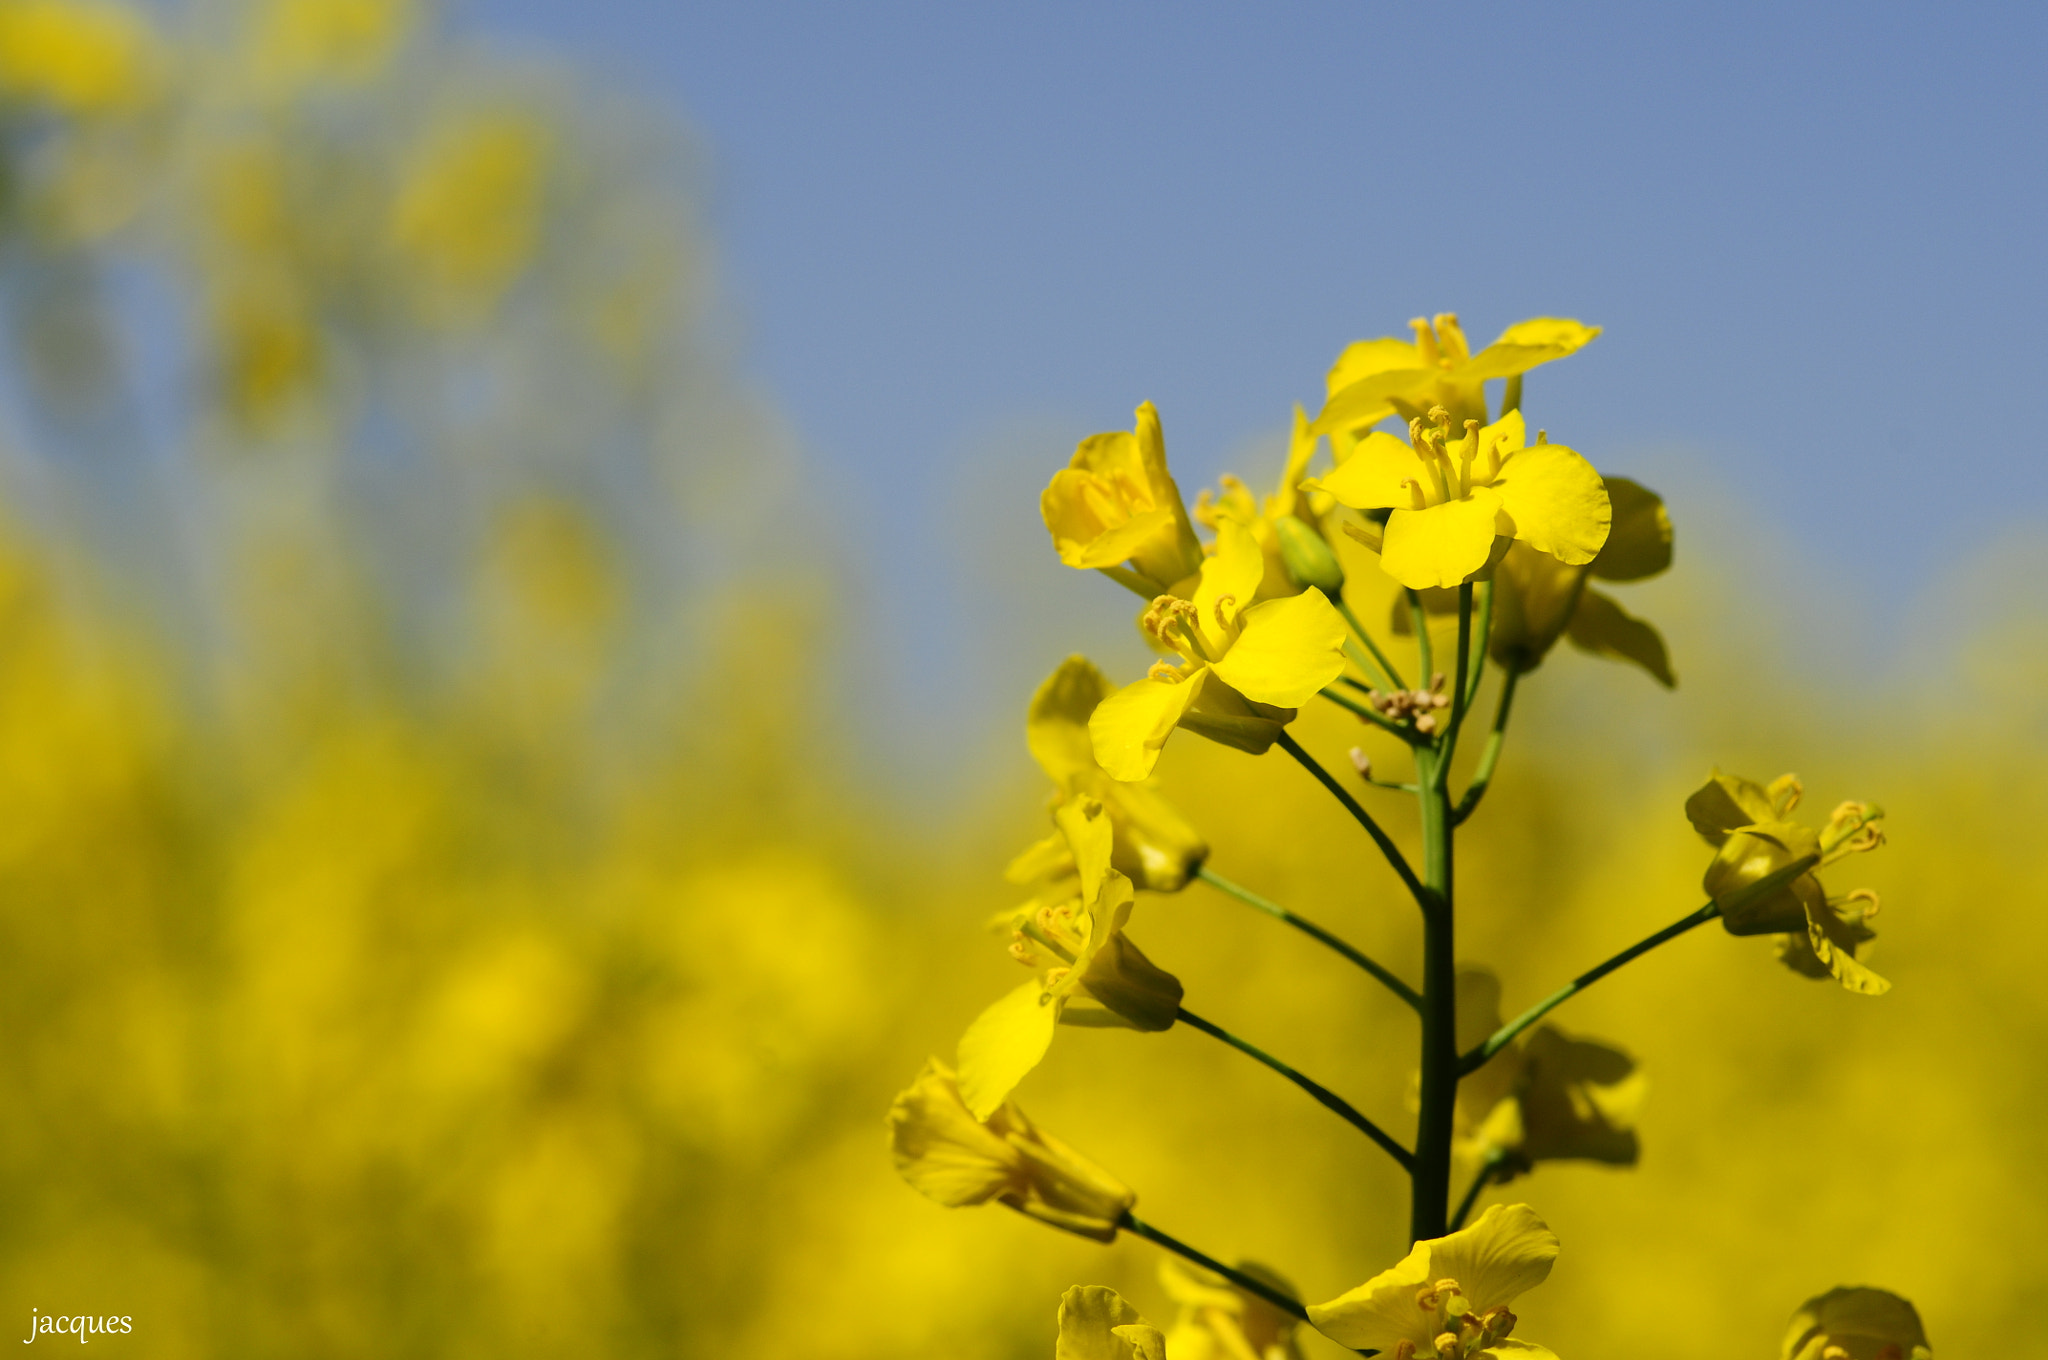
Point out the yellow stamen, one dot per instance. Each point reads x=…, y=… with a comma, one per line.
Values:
x=1223, y=624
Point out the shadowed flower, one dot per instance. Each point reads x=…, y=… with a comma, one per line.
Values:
x=1819, y=935
x=1088, y=972
x=1245, y=669
x=1219, y=1321
x=1537, y=599
x=1448, y=1298
x=1545, y=1097
x=956, y=1159
x=1373, y=379
x=1457, y=502
x=1096, y=1324
x=1849, y=1323
x=1151, y=843
x=1116, y=509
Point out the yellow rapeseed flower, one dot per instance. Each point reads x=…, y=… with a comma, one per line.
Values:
x=1115, y=509
x=1373, y=379
x=1818, y=935
x=1091, y=974
x=1453, y=499
x=1097, y=1324
x=1853, y=1323
x=956, y=1159
x=1246, y=669
x=1219, y=1321
x=1286, y=524
x=1538, y=599
x=1151, y=843
x=1544, y=1097
x=78, y=56
x=1448, y=1298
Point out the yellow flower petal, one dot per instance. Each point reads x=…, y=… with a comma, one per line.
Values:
x=1443, y=545
x=1056, y=726
x=1230, y=577
x=1381, y=1313
x=1289, y=650
x=1556, y=500
x=1508, y=1252
x=1639, y=536
x=1096, y=1324
x=1726, y=803
x=1534, y=599
x=1526, y=344
x=1861, y=1321
x=1003, y=1044
x=1374, y=476
x=1130, y=726
x=941, y=1148
x=1604, y=628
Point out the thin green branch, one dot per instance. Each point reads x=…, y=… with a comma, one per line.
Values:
x=1490, y=757
x=1328, y=1098
x=1391, y=675
x=1369, y=714
x=1250, y=1284
x=1314, y=932
x=1343, y=795
x=1505, y=1035
x=1479, y=644
x=1479, y=1182
x=1420, y=622
x=1458, y=704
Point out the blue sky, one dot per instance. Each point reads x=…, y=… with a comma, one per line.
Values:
x=957, y=237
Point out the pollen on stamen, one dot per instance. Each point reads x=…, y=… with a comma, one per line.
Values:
x=1166, y=672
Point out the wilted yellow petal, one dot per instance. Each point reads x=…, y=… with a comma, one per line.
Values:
x=1639, y=535
x=1604, y=628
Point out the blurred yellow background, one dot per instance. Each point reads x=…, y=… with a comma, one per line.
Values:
x=443, y=916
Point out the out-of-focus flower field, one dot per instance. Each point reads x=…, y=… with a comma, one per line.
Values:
x=440, y=912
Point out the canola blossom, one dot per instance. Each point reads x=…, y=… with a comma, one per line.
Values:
x=1466, y=520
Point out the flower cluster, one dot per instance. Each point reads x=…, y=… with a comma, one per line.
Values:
x=1249, y=603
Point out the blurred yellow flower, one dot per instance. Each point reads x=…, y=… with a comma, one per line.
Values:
x=1096, y=1324
x=1219, y=1321
x=956, y=1159
x=1544, y=1097
x=1538, y=599
x=1851, y=1323
x=1115, y=508
x=1079, y=942
x=1819, y=935
x=1246, y=669
x=78, y=56
x=1448, y=1298
x=1151, y=843
x=1373, y=379
x=1451, y=499
x=468, y=217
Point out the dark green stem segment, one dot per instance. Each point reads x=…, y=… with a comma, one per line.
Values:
x=1292, y=1307
x=1420, y=621
x=1458, y=700
x=1505, y=1035
x=1330, y=1099
x=1479, y=1182
x=1480, y=639
x=1490, y=757
x=1364, y=818
x=1314, y=932
x=1431, y=1177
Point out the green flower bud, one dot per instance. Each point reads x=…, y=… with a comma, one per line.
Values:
x=1309, y=559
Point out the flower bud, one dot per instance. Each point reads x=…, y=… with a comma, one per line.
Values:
x=1309, y=559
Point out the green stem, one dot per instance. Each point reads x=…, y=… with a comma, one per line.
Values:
x=1369, y=714
x=1763, y=887
x=1438, y=1096
x=1391, y=675
x=1364, y=818
x=1490, y=757
x=1450, y=742
x=1511, y=399
x=1251, y=1285
x=1328, y=1098
x=1420, y=622
x=1314, y=932
x=1479, y=1182
x=1131, y=581
x=1479, y=646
